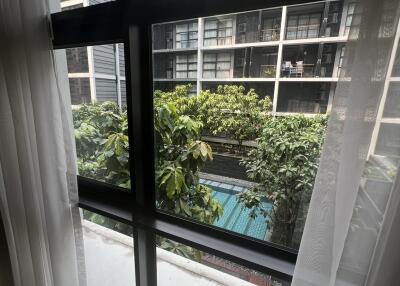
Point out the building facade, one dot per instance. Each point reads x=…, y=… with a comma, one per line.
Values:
x=96, y=73
x=292, y=54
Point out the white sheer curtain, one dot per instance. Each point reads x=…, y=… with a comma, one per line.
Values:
x=37, y=153
x=354, y=211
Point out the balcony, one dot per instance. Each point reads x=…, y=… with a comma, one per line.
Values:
x=308, y=61
x=255, y=62
x=313, y=21
x=258, y=26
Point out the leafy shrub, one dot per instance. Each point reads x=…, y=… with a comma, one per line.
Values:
x=101, y=135
x=180, y=154
x=229, y=112
x=284, y=165
x=103, y=154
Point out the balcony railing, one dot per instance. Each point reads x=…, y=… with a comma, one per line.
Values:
x=297, y=70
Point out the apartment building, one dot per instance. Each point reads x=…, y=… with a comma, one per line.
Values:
x=292, y=53
x=96, y=73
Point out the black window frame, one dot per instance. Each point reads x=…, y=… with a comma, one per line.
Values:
x=130, y=23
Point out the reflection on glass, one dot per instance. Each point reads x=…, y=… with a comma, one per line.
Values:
x=98, y=98
x=69, y=5
x=392, y=105
x=179, y=264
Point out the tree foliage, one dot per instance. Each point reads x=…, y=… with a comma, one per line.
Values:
x=284, y=165
x=103, y=154
x=230, y=112
x=180, y=154
x=101, y=135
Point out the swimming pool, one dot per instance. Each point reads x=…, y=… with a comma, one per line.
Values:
x=236, y=217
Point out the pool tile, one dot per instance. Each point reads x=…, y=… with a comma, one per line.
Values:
x=225, y=186
x=214, y=184
x=237, y=188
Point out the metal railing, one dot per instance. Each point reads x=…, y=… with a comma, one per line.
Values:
x=297, y=70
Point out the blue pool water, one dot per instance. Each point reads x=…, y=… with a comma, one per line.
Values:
x=236, y=217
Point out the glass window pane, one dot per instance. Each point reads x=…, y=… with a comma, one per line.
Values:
x=179, y=264
x=80, y=90
x=210, y=42
x=388, y=143
x=99, y=113
x=210, y=34
x=210, y=57
x=193, y=35
x=210, y=24
x=396, y=66
x=77, y=60
x=192, y=66
x=181, y=67
x=181, y=59
x=211, y=127
x=304, y=97
x=193, y=26
x=392, y=105
x=224, y=57
x=181, y=28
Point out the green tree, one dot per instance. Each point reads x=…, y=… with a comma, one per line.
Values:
x=101, y=135
x=284, y=165
x=103, y=154
x=180, y=154
x=230, y=112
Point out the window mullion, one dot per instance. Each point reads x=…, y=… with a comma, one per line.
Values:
x=140, y=118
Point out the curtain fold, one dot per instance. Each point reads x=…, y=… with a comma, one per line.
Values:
x=38, y=189
x=348, y=208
